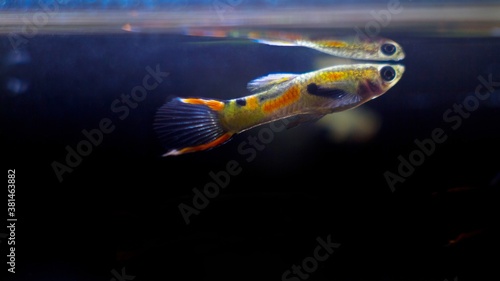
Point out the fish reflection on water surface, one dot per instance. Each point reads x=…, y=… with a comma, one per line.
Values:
x=373, y=48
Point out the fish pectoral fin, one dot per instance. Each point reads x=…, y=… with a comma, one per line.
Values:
x=303, y=118
x=265, y=83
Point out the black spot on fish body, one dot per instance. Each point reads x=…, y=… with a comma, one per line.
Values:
x=241, y=102
x=312, y=88
x=316, y=90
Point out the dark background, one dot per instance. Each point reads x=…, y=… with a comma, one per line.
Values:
x=118, y=209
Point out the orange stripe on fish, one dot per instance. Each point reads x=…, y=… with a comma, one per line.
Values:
x=332, y=44
x=213, y=104
x=277, y=35
x=220, y=140
x=333, y=76
x=287, y=98
x=252, y=102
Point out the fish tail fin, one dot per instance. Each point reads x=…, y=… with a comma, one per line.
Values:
x=204, y=32
x=269, y=38
x=190, y=124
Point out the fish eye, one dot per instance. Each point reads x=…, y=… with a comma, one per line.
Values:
x=388, y=49
x=388, y=73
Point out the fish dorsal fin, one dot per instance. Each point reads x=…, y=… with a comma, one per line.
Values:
x=265, y=83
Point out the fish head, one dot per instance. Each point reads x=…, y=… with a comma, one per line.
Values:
x=342, y=87
x=376, y=79
x=358, y=47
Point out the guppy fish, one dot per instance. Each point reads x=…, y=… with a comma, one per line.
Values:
x=354, y=47
x=196, y=124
